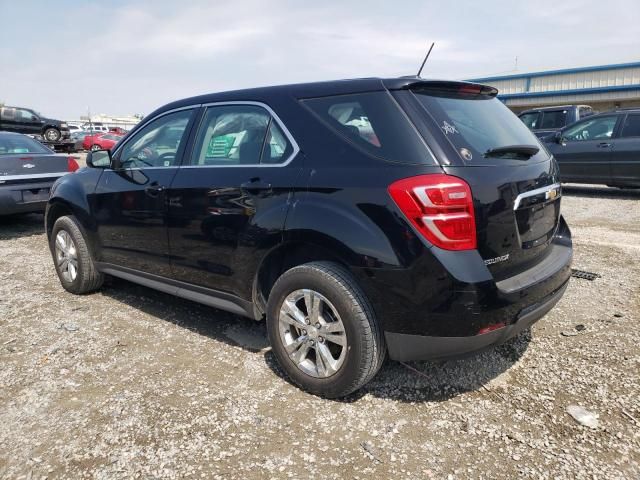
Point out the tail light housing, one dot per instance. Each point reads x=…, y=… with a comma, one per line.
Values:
x=72, y=165
x=440, y=207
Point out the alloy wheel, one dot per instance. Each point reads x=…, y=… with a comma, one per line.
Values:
x=312, y=333
x=66, y=256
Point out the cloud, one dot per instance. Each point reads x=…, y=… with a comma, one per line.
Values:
x=124, y=57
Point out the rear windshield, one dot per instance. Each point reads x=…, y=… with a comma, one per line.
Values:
x=474, y=124
x=17, y=144
x=374, y=123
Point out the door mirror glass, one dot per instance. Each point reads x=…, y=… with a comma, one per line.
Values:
x=99, y=159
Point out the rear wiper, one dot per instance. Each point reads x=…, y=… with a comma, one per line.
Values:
x=527, y=150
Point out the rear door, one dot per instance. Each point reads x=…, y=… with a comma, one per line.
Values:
x=228, y=202
x=625, y=154
x=584, y=152
x=129, y=204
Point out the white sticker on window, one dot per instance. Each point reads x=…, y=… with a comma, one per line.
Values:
x=447, y=128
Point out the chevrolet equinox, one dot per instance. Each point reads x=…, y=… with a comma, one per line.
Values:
x=359, y=218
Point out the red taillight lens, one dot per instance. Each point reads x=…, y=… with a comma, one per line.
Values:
x=440, y=207
x=72, y=165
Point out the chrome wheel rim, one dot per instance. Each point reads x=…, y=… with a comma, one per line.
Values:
x=51, y=135
x=66, y=256
x=95, y=148
x=312, y=333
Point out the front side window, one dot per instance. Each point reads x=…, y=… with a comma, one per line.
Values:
x=234, y=135
x=594, y=129
x=374, y=123
x=157, y=143
x=530, y=119
x=554, y=119
x=26, y=115
x=631, y=127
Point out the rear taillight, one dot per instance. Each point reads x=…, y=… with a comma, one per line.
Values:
x=72, y=165
x=440, y=207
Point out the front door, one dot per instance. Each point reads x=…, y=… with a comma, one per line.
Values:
x=229, y=201
x=129, y=204
x=585, y=149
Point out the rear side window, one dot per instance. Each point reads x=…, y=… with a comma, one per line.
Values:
x=238, y=135
x=475, y=124
x=530, y=119
x=554, y=119
x=600, y=128
x=631, y=127
x=374, y=123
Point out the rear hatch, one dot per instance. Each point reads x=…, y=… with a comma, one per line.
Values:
x=513, y=179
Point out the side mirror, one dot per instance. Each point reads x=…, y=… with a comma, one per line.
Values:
x=558, y=138
x=99, y=159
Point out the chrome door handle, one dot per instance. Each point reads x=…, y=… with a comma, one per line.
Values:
x=604, y=145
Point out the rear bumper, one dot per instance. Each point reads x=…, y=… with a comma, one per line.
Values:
x=25, y=198
x=404, y=347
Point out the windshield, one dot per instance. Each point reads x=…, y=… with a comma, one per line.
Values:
x=475, y=124
x=16, y=144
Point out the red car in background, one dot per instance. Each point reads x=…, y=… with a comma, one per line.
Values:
x=100, y=141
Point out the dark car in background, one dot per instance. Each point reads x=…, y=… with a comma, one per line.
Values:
x=414, y=218
x=27, y=171
x=601, y=149
x=546, y=121
x=27, y=121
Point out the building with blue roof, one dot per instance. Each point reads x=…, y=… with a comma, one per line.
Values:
x=604, y=87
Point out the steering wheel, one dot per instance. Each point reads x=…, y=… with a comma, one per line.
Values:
x=166, y=155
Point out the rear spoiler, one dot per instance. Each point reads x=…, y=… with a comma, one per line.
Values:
x=417, y=83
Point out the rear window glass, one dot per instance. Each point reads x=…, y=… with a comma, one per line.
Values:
x=374, y=123
x=554, y=119
x=474, y=124
x=16, y=144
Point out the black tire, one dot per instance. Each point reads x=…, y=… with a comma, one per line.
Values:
x=51, y=134
x=366, y=348
x=88, y=278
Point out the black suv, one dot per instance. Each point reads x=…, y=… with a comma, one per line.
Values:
x=27, y=121
x=359, y=218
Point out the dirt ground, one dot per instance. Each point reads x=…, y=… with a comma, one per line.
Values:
x=132, y=383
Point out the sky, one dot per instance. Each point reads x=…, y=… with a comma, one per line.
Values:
x=125, y=57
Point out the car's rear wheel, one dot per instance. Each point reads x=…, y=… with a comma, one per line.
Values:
x=52, y=134
x=72, y=258
x=323, y=330
x=95, y=148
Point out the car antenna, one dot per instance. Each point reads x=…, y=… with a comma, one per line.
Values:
x=425, y=59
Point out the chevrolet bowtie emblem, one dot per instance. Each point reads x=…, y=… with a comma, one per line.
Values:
x=28, y=165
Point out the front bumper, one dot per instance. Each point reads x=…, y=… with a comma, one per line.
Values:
x=404, y=347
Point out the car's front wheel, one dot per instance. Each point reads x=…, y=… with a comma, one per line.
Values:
x=72, y=258
x=52, y=134
x=95, y=148
x=323, y=330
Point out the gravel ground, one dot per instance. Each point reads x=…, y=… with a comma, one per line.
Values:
x=131, y=383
